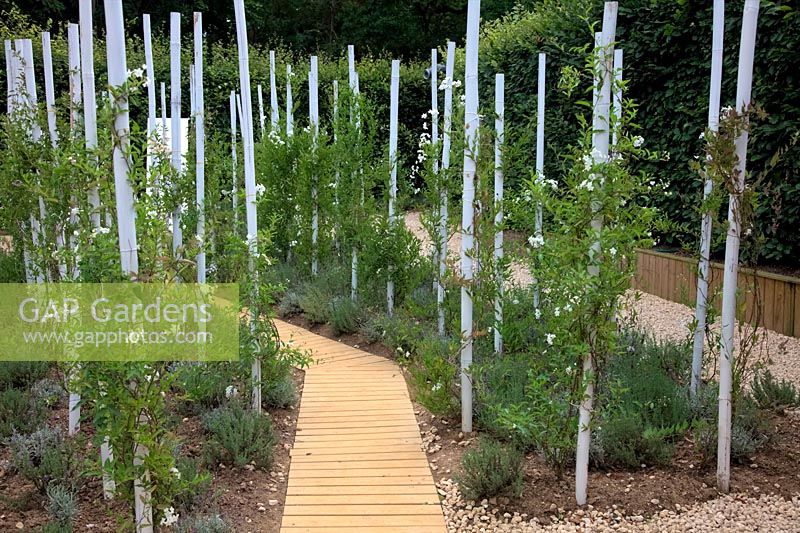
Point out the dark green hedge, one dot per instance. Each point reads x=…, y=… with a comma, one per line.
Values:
x=667, y=61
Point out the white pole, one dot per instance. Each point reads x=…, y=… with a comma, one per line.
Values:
x=175, y=119
x=151, y=77
x=273, y=93
x=49, y=91
x=249, y=165
x=600, y=146
x=32, y=104
x=701, y=310
x=261, y=117
x=447, y=126
x=744, y=86
x=191, y=90
x=499, y=138
x=73, y=45
x=617, y=98
x=50, y=102
x=126, y=218
x=234, y=180
x=9, y=76
x=313, y=112
x=89, y=95
x=354, y=116
x=289, y=103
x=90, y=132
x=540, y=116
x=164, y=113
x=471, y=124
x=434, y=116
x=394, y=104
x=200, y=145
x=337, y=176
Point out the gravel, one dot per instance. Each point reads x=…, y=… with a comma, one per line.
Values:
x=727, y=513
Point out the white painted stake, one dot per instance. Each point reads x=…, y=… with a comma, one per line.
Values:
x=31, y=104
x=600, y=146
x=49, y=91
x=73, y=46
x=9, y=76
x=175, y=118
x=273, y=93
x=289, y=103
x=234, y=180
x=701, y=309
x=447, y=127
x=261, y=117
x=540, y=116
x=354, y=116
x=50, y=102
x=744, y=86
x=499, y=138
x=617, y=98
x=313, y=113
x=200, y=145
x=394, y=104
x=249, y=166
x=89, y=95
x=434, y=116
x=151, y=77
x=471, y=124
x=126, y=217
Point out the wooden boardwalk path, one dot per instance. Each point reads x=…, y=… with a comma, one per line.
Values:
x=357, y=463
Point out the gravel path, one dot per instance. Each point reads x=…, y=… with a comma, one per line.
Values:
x=768, y=513
x=663, y=319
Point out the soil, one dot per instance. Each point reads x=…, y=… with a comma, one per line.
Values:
x=237, y=494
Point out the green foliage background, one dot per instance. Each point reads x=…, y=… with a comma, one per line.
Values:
x=667, y=47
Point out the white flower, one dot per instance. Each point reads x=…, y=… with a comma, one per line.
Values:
x=587, y=162
x=515, y=301
x=175, y=472
x=702, y=135
x=586, y=184
x=557, y=311
x=436, y=387
x=638, y=141
x=612, y=251
x=536, y=241
x=231, y=391
x=537, y=313
x=550, y=337
x=568, y=308
x=457, y=83
x=725, y=111
x=170, y=517
x=463, y=98
x=552, y=183
x=73, y=212
x=292, y=244
x=260, y=189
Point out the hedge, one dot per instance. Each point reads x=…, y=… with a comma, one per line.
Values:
x=667, y=62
